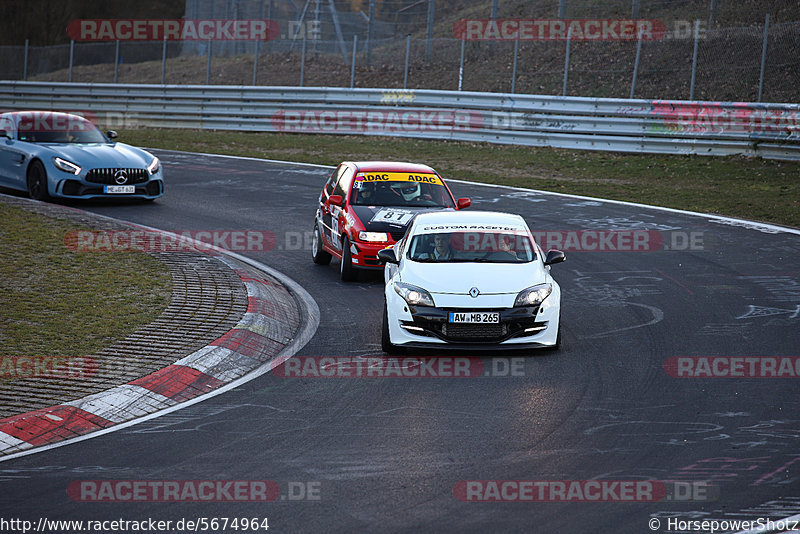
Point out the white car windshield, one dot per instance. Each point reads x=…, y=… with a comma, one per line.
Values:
x=477, y=247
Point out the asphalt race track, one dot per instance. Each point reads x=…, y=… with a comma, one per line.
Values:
x=385, y=454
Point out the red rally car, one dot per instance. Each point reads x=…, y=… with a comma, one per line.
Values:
x=366, y=206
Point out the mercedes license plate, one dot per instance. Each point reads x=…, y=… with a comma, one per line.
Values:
x=119, y=189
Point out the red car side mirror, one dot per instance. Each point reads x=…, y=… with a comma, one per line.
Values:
x=335, y=200
x=464, y=203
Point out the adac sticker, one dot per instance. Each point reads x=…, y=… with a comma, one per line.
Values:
x=398, y=177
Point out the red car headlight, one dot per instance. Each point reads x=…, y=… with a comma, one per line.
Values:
x=373, y=237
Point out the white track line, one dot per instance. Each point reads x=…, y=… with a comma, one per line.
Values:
x=744, y=223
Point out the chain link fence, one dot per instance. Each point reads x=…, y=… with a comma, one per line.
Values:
x=727, y=66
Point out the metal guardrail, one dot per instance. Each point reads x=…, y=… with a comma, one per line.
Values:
x=647, y=126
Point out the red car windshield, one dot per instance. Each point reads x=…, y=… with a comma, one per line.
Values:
x=395, y=189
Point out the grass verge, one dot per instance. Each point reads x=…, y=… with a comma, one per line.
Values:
x=750, y=188
x=55, y=302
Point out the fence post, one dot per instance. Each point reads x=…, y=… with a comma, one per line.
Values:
x=429, y=44
x=694, y=58
x=300, y=23
x=636, y=63
x=208, y=62
x=315, y=47
x=255, y=62
x=461, y=64
x=71, y=56
x=635, y=9
x=493, y=17
x=25, y=62
x=566, y=62
x=562, y=8
x=514, y=70
x=269, y=17
x=303, y=61
x=338, y=28
x=408, y=53
x=763, y=58
x=164, y=61
x=712, y=12
x=370, y=24
x=353, y=62
x=116, y=62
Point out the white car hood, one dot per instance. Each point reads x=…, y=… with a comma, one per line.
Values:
x=458, y=278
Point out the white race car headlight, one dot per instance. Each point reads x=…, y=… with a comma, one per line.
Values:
x=154, y=166
x=533, y=296
x=374, y=237
x=66, y=166
x=415, y=296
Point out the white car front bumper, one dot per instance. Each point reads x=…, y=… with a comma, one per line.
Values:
x=521, y=327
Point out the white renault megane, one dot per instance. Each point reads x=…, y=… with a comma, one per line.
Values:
x=470, y=279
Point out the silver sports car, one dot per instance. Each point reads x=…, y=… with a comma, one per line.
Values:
x=50, y=154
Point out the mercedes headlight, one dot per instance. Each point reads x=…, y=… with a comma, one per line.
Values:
x=415, y=296
x=154, y=166
x=533, y=296
x=66, y=166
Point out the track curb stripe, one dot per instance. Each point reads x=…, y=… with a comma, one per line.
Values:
x=178, y=382
x=122, y=403
x=257, y=339
x=49, y=425
x=221, y=363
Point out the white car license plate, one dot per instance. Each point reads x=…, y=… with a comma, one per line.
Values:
x=474, y=317
x=119, y=189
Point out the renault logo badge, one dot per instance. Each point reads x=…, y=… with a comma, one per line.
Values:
x=474, y=292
